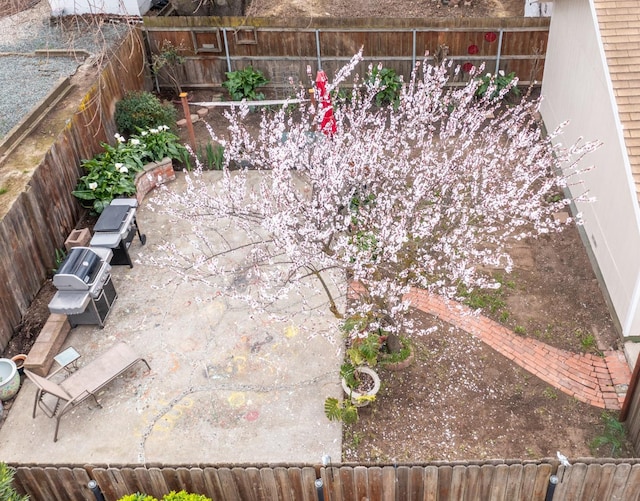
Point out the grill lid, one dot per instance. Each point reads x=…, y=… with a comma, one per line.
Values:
x=81, y=262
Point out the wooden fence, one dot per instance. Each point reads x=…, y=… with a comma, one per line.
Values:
x=282, y=49
x=630, y=413
x=490, y=480
x=40, y=219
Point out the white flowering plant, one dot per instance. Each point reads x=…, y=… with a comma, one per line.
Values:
x=431, y=193
x=156, y=143
x=498, y=85
x=112, y=173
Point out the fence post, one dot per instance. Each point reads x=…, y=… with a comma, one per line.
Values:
x=631, y=391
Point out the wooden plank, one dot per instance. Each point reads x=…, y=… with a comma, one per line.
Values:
x=197, y=480
x=335, y=483
x=295, y=480
x=269, y=484
x=403, y=482
x=458, y=482
x=212, y=481
x=444, y=481
x=157, y=481
x=618, y=482
x=528, y=481
x=431, y=483
x=228, y=485
x=347, y=482
x=361, y=481
x=590, y=482
x=133, y=482
x=473, y=487
x=514, y=482
x=308, y=483
x=31, y=479
x=416, y=484
x=67, y=486
x=374, y=474
x=170, y=477
x=485, y=480
x=82, y=478
x=499, y=483
x=184, y=479
x=285, y=492
x=145, y=485
x=607, y=473
x=571, y=482
x=388, y=483
x=244, y=485
x=541, y=484
x=254, y=482
x=632, y=490
x=111, y=482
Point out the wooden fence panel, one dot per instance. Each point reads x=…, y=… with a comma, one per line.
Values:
x=632, y=489
x=41, y=217
x=214, y=484
x=282, y=49
x=441, y=482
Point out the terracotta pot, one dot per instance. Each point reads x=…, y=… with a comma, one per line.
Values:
x=19, y=360
x=9, y=379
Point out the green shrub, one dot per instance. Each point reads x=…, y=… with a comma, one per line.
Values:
x=496, y=83
x=388, y=81
x=142, y=110
x=137, y=497
x=184, y=496
x=242, y=84
x=7, y=491
x=172, y=496
x=112, y=173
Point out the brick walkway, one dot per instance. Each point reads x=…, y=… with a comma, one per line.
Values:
x=599, y=381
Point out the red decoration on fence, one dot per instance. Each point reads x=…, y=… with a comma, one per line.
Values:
x=490, y=36
x=467, y=67
x=473, y=49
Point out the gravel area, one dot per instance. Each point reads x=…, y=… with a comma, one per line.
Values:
x=25, y=78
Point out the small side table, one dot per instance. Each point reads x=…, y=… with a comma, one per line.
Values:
x=67, y=360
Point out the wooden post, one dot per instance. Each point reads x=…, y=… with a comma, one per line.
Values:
x=187, y=117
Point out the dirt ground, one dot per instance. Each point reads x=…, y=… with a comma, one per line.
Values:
x=399, y=8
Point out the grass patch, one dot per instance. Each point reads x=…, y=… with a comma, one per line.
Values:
x=613, y=436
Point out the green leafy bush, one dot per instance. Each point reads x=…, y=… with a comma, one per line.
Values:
x=112, y=173
x=7, y=491
x=172, y=496
x=242, y=84
x=388, y=81
x=496, y=84
x=142, y=110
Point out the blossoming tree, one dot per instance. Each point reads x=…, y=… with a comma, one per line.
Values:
x=426, y=193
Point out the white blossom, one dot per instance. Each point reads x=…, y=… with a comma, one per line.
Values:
x=430, y=194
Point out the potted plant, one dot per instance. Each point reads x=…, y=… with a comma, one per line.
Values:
x=9, y=379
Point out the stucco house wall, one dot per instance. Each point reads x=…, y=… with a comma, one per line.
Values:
x=577, y=87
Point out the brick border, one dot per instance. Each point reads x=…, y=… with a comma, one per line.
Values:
x=598, y=381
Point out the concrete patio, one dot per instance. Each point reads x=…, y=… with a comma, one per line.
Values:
x=227, y=385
